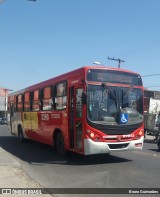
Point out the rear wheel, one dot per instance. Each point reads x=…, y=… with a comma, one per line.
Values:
x=20, y=134
x=60, y=145
x=158, y=144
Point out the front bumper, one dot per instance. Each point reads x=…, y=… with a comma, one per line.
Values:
x=91, y=147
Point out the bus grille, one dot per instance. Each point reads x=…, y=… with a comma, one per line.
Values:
x=118, y=146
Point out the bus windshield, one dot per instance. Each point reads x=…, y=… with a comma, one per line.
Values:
x=105, y=103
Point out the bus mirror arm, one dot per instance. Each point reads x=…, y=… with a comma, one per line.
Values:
x=84, y=100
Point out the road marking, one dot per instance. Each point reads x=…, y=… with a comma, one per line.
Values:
x=54, y=162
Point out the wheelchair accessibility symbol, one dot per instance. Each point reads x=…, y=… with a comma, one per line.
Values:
x=123, y=118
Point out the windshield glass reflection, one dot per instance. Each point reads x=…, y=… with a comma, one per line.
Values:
x=105, y=103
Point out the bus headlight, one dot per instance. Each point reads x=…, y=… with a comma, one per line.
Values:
x=140, y=134
x=93, y=136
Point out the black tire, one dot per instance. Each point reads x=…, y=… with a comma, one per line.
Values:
x=158, y=144
x=20, y=134
x=60, y=145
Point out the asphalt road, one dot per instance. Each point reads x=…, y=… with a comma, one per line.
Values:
x=137, y=169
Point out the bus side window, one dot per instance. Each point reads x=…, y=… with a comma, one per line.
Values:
x=19, y=103
x=61, y=96
x=47, y=99
x=12, y=105
x=27, y=106
x=36, y=102
x=15, y=104
x=11, y=109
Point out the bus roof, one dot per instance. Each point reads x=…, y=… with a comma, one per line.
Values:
x=67, y=75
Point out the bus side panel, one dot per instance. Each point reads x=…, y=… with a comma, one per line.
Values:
x=30, y=125
x=50, y=121
x=40, y=126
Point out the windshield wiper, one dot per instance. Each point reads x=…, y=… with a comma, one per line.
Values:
x=129, y=90
x=104, y=85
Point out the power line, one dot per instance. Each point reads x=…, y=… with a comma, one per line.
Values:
x=142, y=48
x=150, y=75
x=27, y=0
x=153, y=86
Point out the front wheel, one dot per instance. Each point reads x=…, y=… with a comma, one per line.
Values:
x=60, y=145
x=158, y=144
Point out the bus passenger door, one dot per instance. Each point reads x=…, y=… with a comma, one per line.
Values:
x=76, y=134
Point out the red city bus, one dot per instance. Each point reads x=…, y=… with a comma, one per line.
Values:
x=91, y=110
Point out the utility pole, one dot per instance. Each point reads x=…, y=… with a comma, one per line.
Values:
x=27, y=0
x=118, y=60
x=6, y=100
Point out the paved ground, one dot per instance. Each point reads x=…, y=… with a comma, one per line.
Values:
x=12, y=176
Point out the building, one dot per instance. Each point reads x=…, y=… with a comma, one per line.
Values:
x=3, y=101
x=151, y=110
x=151, y=101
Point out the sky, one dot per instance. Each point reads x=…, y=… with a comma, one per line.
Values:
x=43, y=39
